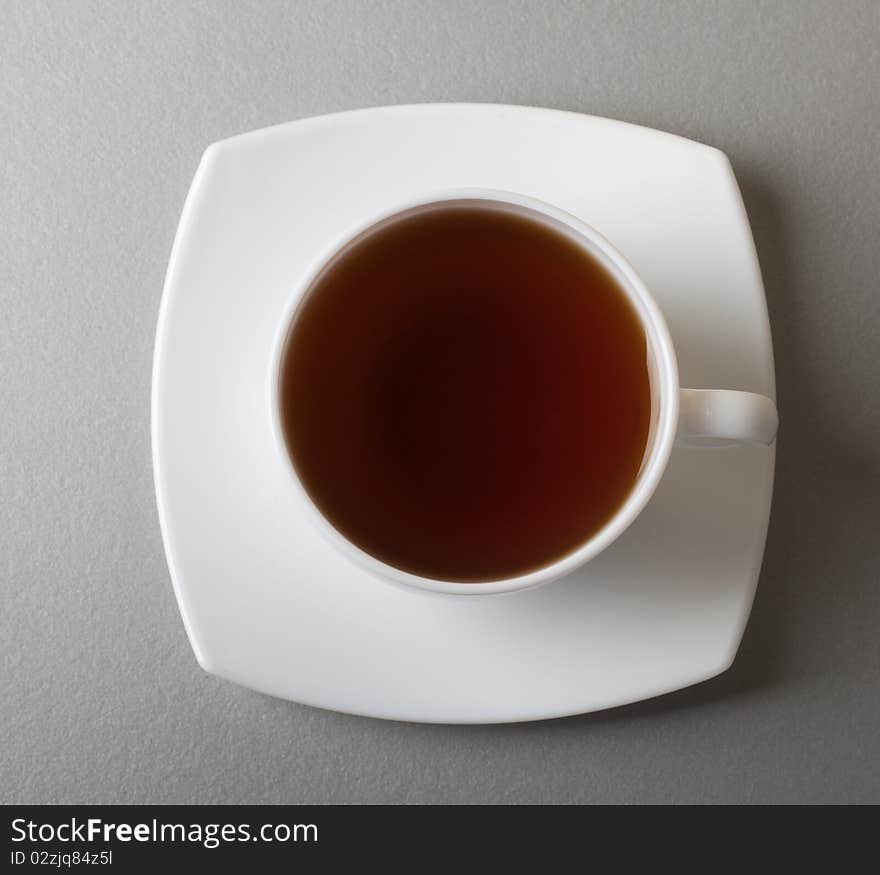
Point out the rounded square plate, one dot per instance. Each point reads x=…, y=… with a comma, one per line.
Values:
x=268, y=604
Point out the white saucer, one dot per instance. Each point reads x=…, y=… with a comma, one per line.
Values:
x=268, y=604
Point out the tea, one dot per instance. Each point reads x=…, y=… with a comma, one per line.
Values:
x=465, y=393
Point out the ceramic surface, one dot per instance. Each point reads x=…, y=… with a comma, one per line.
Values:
x=265, y=600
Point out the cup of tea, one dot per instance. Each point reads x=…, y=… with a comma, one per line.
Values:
x=476, y=394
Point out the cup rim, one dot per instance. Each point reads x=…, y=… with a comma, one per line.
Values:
x=667, y=378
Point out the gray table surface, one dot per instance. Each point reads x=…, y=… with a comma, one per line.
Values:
x=104, y=112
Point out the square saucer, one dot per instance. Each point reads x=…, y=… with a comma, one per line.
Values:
x=266, y=601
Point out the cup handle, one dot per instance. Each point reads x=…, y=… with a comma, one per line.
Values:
x=720, y=417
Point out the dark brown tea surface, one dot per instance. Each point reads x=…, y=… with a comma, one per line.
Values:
x=465, y=394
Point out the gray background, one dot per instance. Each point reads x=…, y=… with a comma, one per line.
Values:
x=104, y=112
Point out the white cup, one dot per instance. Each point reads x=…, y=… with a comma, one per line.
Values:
x=693, y=417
